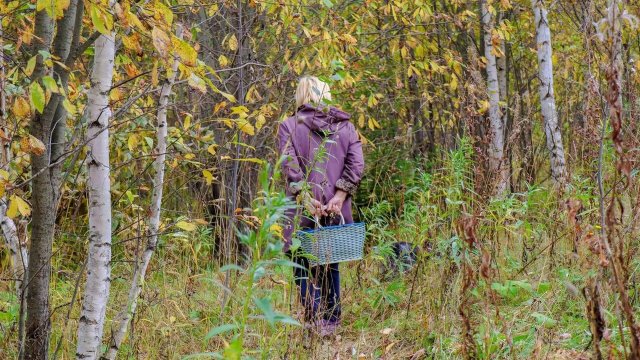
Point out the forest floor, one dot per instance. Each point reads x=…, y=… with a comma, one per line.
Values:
x=412, y=316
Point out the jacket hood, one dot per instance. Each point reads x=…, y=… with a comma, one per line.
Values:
x=321, y=119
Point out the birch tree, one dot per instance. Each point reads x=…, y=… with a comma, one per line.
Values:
x=496, y=148
x=125, y=315
x=547, y=97
x=96, y=291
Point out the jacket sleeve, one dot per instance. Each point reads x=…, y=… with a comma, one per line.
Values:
x=290, y=165
x=353, y=165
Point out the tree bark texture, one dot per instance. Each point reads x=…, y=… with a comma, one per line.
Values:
x=496, y=148
x=547, y=97
x=37, y=324
x=96, y=293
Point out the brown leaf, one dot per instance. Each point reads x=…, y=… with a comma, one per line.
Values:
x=161, y=41
x=32, y=145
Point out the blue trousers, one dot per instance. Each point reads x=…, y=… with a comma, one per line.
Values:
x=319, y=290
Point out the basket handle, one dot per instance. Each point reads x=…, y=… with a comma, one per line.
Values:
x=316, y=219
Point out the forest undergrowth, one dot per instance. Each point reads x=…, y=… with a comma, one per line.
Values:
x=502, y=279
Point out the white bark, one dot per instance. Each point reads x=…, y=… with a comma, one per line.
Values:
x=547, y=97
x=124, y=317
x=496, y=149
x=96, y=293
x=18, y=251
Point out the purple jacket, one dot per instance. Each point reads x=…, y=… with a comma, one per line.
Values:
x=340, y=167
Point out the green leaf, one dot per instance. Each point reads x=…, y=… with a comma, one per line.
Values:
x=285, y=319
x=265, y=306
x=234, y=350
x=285, y=262
x=31, y=64
x=97, y=17
x=543, y=320
x=328, y=3
x=186, y=226
x=48, y=5
x=220, y=330
x=231, y=267
x=50, y=84
x=37, y=97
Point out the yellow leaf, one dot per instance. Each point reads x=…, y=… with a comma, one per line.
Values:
x=361, y=121
x=208, y=177
x=162, y=13
x=212, y=10
x=132, y=142
x=160, y=41
x=26, y=35
x=453, y=85
x=220, y=105
x=187, y=54
x=132, y=42
x=253, y=160
x=228, y=122
x=484, y=106
x=17, y=205
x=4, y=174
x=223, y=61
x=48, y=5
x=2, y=189
x=12, y=211
x=276, y=229
x=232, y=43
x=71, y=109
x=186, y=226
x=245, y=126
x=132, y=18
x=212, y=149
x=21, y=107
x=60, y=7
x=187, y=122
x=23, y=206
x=260, y=121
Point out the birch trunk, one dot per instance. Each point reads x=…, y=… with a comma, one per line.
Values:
x=19, y=257
x=96, y=293
x=496, y=149
x=503, y=85
x=547, y=98
x=124, y=317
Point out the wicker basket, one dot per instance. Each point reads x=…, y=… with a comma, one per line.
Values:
x=333, y=244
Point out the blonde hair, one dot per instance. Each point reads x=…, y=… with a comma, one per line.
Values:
x=312, y=90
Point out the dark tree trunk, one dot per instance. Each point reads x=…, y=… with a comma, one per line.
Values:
x=48, y=127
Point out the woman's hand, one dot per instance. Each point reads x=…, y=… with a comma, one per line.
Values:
x=313, y=206
x=335, y=204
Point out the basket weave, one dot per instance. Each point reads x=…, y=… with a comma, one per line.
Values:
x=333, y=244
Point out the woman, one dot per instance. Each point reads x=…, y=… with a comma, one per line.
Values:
x=323, y=166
